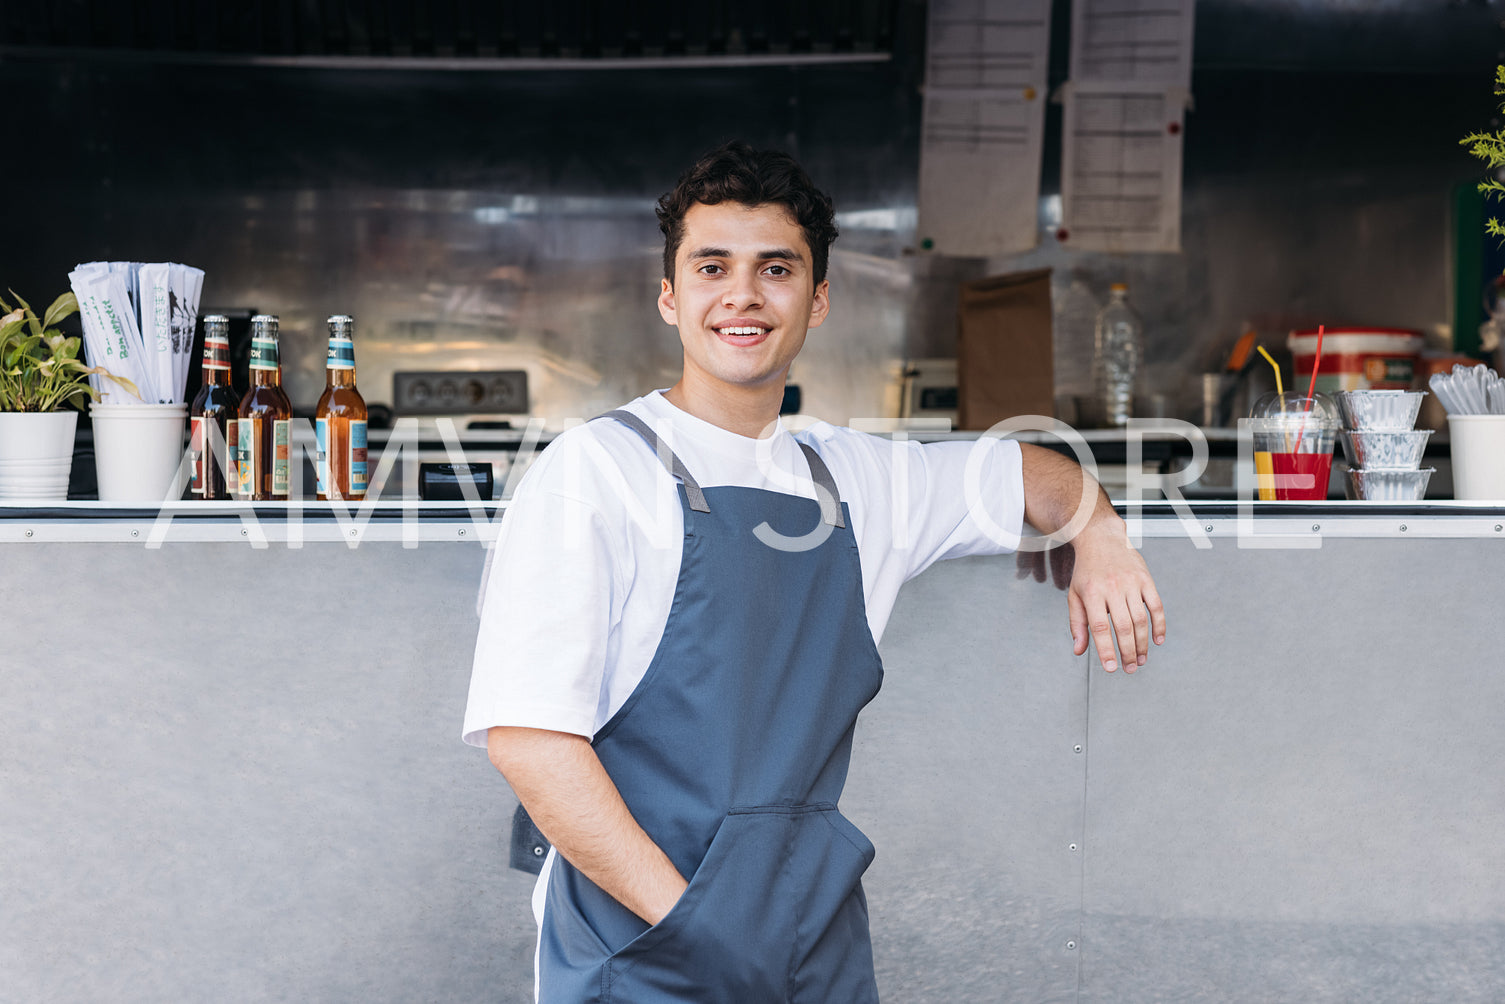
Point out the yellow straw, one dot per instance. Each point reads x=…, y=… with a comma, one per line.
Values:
x=1279, y=388
x=1263, y=465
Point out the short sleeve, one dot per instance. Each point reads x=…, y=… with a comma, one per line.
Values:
x=541, y=650
x=914, y=504
x=965, y=498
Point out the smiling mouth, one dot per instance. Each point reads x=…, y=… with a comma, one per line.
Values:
x=742, y=334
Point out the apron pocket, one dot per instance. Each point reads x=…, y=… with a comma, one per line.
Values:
x=775, y=882
x=833, y=958
x=722, y=940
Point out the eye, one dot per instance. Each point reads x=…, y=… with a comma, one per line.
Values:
x=709, y=268
x=778, y=270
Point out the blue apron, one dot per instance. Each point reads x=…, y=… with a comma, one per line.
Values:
x=731, y=754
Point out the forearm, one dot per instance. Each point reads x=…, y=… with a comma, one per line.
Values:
x=1057, y=490
x=1111, y=596
x=573, y=802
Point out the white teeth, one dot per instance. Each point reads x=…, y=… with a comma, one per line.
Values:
x=742, y=331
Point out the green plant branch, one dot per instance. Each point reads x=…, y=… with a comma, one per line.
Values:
x=41, y=371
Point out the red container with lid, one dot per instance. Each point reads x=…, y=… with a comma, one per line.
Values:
x=1358, y=358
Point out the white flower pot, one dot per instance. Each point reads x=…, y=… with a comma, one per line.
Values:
x=36, y=454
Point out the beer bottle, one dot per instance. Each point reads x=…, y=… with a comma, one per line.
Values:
x=340, y=419
x=213, y=417
x=266, y=426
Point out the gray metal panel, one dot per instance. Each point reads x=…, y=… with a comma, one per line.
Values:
x=236, y=775
x=1301, y=801
x=182, y=823
x=966, y=776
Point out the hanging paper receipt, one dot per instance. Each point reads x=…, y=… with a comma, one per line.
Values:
x=1122, y=129
x=985, y=85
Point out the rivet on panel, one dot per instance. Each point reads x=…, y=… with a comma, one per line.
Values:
x=135, y=533
x=1316, y=527
x=1073, y=846
x=1403, y=528
x=1209, y=528
x=462, y=533
x=1077, y=748
x=29, y=532
x=1071, y=946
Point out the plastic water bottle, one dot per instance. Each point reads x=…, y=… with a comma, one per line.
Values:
x=1118, y=351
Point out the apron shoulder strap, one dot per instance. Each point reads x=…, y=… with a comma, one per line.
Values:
x=666, y=456
x=825, y=487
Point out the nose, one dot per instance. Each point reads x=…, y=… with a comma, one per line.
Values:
x=743, y=291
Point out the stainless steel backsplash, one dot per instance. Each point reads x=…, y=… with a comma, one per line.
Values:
x=504, y=220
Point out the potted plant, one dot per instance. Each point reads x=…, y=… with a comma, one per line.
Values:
x=42, y=384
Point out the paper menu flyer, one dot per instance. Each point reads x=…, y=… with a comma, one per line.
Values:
x=1122, y=127
x=987, y=44
x=1121, y=167
x=1139, y=41
x=980, y=175
x=981, y=138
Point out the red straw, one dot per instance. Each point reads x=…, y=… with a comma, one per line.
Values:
x=1312, y=387
x=1310, y=390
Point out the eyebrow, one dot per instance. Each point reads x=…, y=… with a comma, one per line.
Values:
x=772, y=254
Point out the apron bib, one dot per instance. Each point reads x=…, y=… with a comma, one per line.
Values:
x=731, y=754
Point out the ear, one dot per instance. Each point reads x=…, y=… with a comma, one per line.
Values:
x=821, y=306
x=666, y=308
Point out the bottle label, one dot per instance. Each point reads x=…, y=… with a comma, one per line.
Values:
x=248, y=458
x=196, y=450
x=352, y=463
x=357, y=460
x=202, y=444
x=216, y=352
x=341, y=353
x=232, y=448
x=282, y=430
x=321, y=455
x=263, y=353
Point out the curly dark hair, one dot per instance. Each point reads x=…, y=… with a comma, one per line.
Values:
x=735, y=172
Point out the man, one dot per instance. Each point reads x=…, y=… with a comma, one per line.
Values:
x=681, y=620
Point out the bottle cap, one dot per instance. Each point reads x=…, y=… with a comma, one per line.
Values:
x=264, y=323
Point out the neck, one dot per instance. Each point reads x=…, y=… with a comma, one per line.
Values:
x=749, y=412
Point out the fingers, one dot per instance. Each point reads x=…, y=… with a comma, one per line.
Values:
x=1139, y=624
x=1104, y=627
x=1157, y=613
x=1129, y=619
x=1077, y=614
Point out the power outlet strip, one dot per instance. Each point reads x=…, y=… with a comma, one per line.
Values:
x=460, y=392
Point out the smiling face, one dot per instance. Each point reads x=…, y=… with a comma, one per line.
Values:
x=743, y=297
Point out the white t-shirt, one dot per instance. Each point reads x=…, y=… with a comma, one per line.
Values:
x=587, y=558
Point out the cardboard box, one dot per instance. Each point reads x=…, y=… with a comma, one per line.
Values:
x=1004, y=359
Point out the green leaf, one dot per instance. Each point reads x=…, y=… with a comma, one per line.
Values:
x=71, y=397
x=31, y=317
x=63, y=307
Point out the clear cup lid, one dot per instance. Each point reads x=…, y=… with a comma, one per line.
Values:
x=1295, y=410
